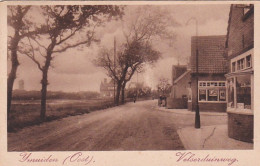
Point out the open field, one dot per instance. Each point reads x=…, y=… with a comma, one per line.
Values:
x=27, y=112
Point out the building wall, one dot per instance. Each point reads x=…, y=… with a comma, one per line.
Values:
x=207, y=106
x=176, y=103
x=180, y=88
x=241, y=31
x=240, y=42
x=240, y=126
x=178, y=70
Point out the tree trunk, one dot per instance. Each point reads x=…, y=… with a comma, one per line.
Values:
x=44, y=83
x=123, y=93
x=118, y=90
x=12, y=74
x=10, y=83
x=44, y=80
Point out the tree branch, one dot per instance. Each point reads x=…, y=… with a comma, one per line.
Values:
x=32, y=55
x=69, y=36
x=72, y=46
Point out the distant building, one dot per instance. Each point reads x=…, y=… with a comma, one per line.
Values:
x=178, y=70
x=107, y=88
x=180, y=87
x=21, y=85
x=135, y=85
x=212, y=66
x=240, y=76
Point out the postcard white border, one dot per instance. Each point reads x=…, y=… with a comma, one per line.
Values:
x=122, y=158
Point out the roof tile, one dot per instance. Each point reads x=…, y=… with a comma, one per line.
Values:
x=211, y=56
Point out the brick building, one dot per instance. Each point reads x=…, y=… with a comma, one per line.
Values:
x=240, y=76
x=107, y=88
x=212, y=65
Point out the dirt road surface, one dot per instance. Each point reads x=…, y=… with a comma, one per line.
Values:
x=133, y=126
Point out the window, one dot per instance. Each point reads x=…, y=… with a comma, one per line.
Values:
x=239, y=92
x=222, y=95
x=231, y=101
x=243, y=91
x=233, y=66
x=248, y=61
x=238, y=65
x=202, y=95
x=241, y=64
x=212, y=91
x=212, y=95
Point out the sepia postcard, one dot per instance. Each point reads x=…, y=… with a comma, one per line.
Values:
x=129, y=83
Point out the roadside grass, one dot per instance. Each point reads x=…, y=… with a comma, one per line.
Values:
x=28, y=113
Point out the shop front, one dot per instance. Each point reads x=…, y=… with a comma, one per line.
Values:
x=240, y=82
x=212, y=94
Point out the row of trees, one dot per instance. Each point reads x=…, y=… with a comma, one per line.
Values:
x=137, y=49
x=57, y=28
x=54, y=32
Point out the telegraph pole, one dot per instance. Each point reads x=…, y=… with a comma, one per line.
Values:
x=114, y=69
x=197, y=111
x=197, y=114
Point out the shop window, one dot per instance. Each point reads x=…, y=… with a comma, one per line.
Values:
x=243, y=91
x=230, y=83
x=212, y=95
x=222, y=95
x=248, y=61
x=202, y=95
x=214, y=91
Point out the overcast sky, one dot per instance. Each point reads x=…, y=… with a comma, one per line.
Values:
x=73, y=70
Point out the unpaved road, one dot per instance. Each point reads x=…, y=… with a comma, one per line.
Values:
x=133, y=126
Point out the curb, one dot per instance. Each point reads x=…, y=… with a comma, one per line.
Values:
x=186, y=112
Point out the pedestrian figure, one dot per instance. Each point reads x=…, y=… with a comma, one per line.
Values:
x=134, y=98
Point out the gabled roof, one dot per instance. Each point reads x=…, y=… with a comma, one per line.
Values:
x=181, y=77
x=211, y=57
x=178, y=70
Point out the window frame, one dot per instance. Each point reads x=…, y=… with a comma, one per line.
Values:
x=209, y=85
x=241, y=63
x=235, y=96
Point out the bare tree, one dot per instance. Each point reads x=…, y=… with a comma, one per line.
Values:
x=22, y=28
x=134, y=58
x=63, y=23
x=130, y=59
x=140, y=32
